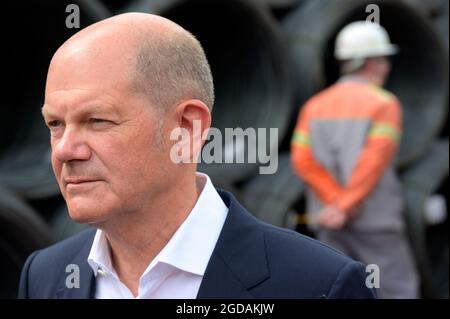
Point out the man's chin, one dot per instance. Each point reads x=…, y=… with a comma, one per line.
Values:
x=90, y=218
x=87, y=210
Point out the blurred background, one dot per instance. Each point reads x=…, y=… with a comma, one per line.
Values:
x=268, y=57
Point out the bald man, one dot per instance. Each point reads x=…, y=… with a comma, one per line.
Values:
x=115, y=91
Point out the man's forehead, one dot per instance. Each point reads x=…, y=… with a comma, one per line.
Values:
x=79, y=101
x=87, y=68
x=92, y=64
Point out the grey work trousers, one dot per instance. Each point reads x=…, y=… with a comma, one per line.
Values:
x=388, y=250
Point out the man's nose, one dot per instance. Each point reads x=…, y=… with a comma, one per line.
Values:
x=71, y=147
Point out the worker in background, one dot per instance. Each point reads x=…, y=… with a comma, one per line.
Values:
x=343, y=147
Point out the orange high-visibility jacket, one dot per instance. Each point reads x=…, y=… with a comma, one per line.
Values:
x=343, y=148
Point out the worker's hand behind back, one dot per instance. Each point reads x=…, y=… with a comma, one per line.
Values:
x=332, y=217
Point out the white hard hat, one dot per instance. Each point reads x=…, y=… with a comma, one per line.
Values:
x=363, y=39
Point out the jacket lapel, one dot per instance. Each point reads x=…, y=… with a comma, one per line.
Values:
x=238, y=262
x=87, y=278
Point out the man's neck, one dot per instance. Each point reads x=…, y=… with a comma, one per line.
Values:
x=368, y=77
x=135, y=240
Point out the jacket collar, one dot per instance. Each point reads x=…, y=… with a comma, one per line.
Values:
x=239, y=260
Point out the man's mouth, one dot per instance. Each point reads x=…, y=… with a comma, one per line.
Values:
x=79, y=180
x=77, y=183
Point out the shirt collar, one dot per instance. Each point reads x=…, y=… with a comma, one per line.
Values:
x=190, y=248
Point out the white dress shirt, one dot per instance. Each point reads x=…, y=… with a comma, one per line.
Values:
x=177, y=271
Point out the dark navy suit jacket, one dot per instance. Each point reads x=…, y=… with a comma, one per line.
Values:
x=251, y=260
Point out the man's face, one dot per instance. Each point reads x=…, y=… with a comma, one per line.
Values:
x=107, y=150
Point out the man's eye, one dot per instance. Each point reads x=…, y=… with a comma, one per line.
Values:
x=54, y=124
x=95, y=120
x=100, y=123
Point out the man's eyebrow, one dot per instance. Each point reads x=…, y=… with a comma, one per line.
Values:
x=45, y=112
x=84, y=110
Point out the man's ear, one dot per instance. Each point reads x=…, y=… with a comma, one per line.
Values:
x=194, y=117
